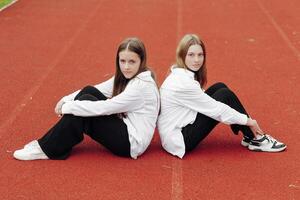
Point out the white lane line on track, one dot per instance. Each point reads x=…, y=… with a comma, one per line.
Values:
x=27, y=97
x=11, y=3
x=177, y=189
x=279, y=29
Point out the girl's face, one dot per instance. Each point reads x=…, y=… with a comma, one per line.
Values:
x=129, y=63
x=194, y=58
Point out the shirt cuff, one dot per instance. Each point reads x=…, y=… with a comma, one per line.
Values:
x=244, y=119
x=67, y=108
x=66, y=98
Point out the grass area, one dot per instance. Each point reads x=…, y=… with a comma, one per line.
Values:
x=4, y=3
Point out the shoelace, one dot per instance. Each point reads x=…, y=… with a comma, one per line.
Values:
x=270, y=138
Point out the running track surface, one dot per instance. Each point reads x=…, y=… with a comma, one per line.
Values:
x=50, y=48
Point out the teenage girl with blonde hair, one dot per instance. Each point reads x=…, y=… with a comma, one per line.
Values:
x=189, y=114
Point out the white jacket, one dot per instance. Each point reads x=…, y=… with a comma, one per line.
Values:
x=139, y=100
x=181, y=99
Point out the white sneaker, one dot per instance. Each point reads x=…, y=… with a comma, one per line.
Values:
x=266, y=143
x=31, y=144
x=31, y=151
x=245, y=141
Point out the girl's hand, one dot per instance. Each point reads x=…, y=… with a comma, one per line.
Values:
x=253, y=125
x=58, y=107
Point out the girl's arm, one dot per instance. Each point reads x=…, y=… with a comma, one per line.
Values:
x=203, y=103
x=105, y=87
x=129, y=100
x=254, y=126
x=195, y=99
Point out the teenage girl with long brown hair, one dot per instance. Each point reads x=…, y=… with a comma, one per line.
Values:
x=120, y=113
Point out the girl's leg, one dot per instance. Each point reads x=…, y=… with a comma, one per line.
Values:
x=234, y=103
x=110, y=131
x=57, y=143
x=203, y=125
x=215, y=87
x=91, y=90
x=194, y=133
x=226, y=96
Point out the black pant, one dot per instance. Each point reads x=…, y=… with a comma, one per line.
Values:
x=110, y=131
x=194, y=133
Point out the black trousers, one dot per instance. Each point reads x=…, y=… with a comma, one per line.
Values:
x=194, y=133
x=110, y=131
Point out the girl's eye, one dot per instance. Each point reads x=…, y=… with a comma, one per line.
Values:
x=191, y=54
x=122, y=61
x=131, y=61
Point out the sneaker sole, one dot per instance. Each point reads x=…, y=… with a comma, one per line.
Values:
x=254, y=148
x=244, y=144
x=19, y=156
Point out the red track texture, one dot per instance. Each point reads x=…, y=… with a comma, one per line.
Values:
x=50, y=48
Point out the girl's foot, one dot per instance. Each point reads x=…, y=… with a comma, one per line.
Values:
x=31, y=151
x=264, y=143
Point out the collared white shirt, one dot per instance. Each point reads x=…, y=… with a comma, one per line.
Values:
x=139, y=100
x=181, y=99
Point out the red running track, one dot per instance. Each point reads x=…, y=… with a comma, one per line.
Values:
x=50, y=48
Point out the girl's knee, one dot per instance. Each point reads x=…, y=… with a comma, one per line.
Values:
x=93, y=94
x=220, y=85
x=226, y=92
x=87, y=97
x=223, y=95
x=88, y=89
x=91, y=90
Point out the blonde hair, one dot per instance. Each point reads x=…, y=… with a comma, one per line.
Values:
x=181, y=52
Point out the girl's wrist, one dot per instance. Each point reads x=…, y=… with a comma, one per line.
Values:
x=249, y=122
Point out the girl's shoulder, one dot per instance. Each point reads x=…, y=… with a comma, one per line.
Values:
x=180, y=81
x=142, y=80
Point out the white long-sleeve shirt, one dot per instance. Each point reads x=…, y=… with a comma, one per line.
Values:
x=181, y=99
x=139, y=100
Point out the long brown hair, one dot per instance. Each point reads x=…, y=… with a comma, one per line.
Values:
x=137, y=46
x=181, y=52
